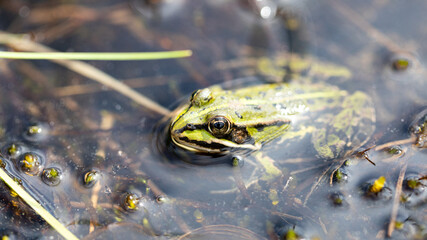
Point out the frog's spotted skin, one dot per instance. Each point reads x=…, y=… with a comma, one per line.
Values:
x=218, y=121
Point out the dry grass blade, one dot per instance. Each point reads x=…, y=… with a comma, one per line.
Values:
x=96, y=56
x=37, y=207
x=84, y=69
x=394, y=143
x=396, y=200
x=365, y=26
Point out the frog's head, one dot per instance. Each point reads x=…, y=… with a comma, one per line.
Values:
x=205, y=125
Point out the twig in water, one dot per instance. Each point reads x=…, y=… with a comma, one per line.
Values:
x=396, y=200
x=61, y=229
x=84, y=69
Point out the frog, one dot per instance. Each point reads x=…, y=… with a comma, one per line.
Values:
x=290, y=116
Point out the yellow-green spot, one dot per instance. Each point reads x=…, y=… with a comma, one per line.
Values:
x=298, y=65
x=198, y=215
x=13, y=149
x=413, y=183
x=403, y=198
x=52, y=176
x=268, y=164
x=378, y=185
x=343, y=121
x=268, y=133
x=146, y=223
x=13, y=193
x=236, y=161
x=30, y=163
x=52, y=173
x=394, y=150
x=348, y=163
x=333, y=139
x=331, y=70
x=267, y=67
x=339, y=175
x=291, y=235
x=141, y=180
x=321, y=145
x=32, y=130
x=131, y=201
x=273, y=196
x=297, y=134
x=28, y=160
x=51, y=220
x=90, y=178
x=400, y=64
x=292, y=24
x=338, y=200
x=198, y=135
x=398, y=225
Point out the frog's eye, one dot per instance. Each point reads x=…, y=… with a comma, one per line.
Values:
x=219, y=126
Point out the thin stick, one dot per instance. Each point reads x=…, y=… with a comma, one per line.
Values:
x=51, y=220
x=313, y=187
x=364, y=25
x=285, y=215
x=99, y=56
x=394, y=143
x=396, y=200
x=86, y=70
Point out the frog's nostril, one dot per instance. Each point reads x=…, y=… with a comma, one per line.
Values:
x=190, y=126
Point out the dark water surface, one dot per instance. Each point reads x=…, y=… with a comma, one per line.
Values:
x=120, y=177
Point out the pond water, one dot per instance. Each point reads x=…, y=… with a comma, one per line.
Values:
x=105, y=166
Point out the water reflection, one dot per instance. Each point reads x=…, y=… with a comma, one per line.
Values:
x=148, y=191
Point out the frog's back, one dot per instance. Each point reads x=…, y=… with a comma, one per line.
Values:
x=258, y=114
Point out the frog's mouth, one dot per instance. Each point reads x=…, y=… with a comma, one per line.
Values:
x=212, y=146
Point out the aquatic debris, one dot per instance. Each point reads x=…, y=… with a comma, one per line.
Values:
x=61, y=229
x=30, y=163
x=52, y=176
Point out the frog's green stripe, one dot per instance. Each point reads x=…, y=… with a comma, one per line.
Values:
x=182, y=137
x=303, y=96
x=261, y=126
x=182, y=112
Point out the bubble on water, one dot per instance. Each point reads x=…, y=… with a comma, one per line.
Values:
x=237, y=161
x=337, y=198
x=131, y=201
x=13, y=150
x=36, y=132
x=90, y=178
x=394, y=151
x=52, y=176
x=376, y=189
x=30, y=163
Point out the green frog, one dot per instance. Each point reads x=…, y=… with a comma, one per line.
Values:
x=218, y=121
x=330, y=121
